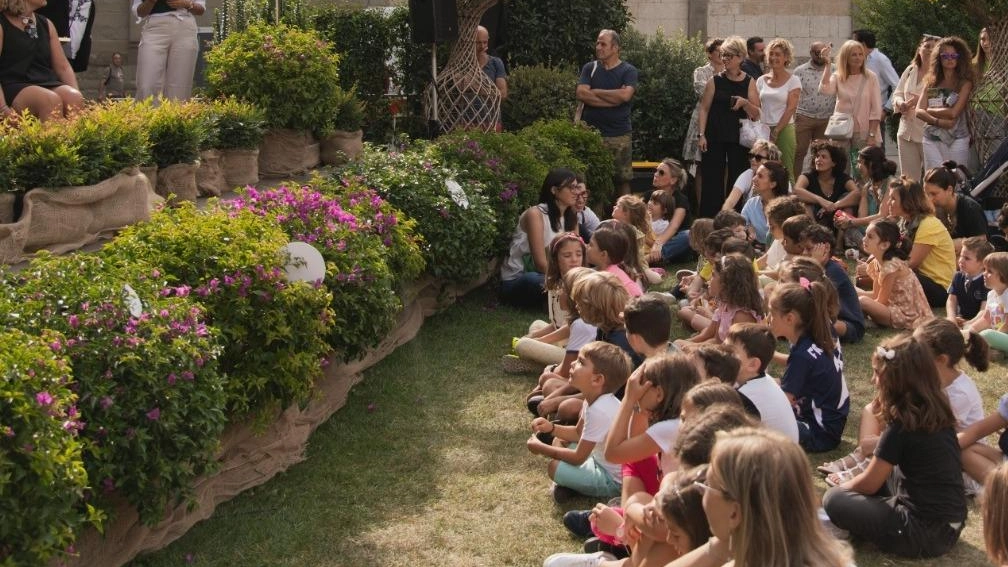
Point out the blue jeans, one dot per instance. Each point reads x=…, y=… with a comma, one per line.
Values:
x=676, y=248
x=525, y=291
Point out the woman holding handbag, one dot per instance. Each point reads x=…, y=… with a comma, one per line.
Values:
x=858, y=111
x=728, y=98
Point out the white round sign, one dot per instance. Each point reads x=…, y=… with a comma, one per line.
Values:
x=305, y=262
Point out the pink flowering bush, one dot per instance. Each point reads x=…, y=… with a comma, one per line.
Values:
x=361, y=237
x=272, y=331
x=504, y=165
x=149, y=394
x=42, y=476
x=458, y=230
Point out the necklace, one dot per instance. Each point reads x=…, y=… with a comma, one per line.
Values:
x=29, y=26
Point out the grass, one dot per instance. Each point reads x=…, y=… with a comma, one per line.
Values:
x=426, y=464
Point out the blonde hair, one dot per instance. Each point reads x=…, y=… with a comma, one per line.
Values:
x=735, y=45
x=636, y=211
x=773, y=152
x=843, y=69
x=766, y=474
x=786, y=48
x=16, y=7
x=995, y=514
x=600, y=298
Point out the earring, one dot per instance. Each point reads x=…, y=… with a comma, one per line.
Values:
x=731, y=541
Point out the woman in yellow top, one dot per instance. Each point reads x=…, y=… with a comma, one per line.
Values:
x=932, y=257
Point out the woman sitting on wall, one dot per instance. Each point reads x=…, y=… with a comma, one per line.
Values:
x=34, y=73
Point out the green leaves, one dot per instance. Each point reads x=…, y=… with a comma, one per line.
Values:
x=538, y=92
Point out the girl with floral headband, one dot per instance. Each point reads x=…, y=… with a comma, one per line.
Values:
x=896, y=298
x=919, y=512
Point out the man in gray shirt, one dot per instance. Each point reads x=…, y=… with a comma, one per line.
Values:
x=814, y=108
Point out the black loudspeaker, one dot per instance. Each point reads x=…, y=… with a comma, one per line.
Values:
x=433, y=21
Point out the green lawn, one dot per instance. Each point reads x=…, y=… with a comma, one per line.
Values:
x=426, y=465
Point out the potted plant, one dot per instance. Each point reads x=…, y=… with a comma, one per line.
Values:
x=176, y=131
x=343, y=139
x=240, y=127
x=291, y=74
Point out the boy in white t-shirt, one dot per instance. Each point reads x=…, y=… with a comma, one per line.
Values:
x=577, y=459
x=754, y=346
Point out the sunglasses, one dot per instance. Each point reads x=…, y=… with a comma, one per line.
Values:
x=758, y=157
x=949, y=56
x=705, y=487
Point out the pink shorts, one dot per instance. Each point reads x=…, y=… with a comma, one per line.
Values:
x=650, y=474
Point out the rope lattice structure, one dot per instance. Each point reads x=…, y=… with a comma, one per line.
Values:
x=988, y=116
x=466, y=98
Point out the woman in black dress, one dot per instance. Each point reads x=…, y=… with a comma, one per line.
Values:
x=729, y=97
x=34, y=72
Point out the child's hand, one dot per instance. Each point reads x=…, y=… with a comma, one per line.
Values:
x=821, y=253
x=542, y=425
x=534, y=445
x=548, y=406
x=635, y=387
x=606, y=520
x=861, y=269
x=693, y=295
x=684, y=345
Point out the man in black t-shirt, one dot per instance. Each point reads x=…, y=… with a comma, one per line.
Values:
x=606, y=88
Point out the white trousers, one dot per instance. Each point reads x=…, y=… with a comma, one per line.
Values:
x=936, y=152
x=166, y=58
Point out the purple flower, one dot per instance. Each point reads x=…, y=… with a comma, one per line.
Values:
x=154, y=414
x=43, y=398
x=105, y=403
x=73, y=321
x=171, y=379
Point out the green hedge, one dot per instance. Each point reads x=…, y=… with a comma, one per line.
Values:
x=559, y=33
x=561, y=143
x=538, y=92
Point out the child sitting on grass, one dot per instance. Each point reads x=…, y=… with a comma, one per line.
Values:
x=736, y=290
x=754, y=346
x=896, y=298
x=690, y=286
x=778, y=211
x=992, y=322
x=696, y=315
x=967, y=292
x=813, y=379
x=613, y=249
x=631, y=210
x=600, y=370
x=817, y=240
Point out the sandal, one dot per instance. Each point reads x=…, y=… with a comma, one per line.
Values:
x=838, y=478
x=844, y=463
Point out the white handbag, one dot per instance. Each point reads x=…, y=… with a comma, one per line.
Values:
x=841, y=124
x=751, y=131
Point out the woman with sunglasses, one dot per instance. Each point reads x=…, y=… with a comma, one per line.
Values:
x=910, y=135
x=761, y=506
x=949, y=84
x=761, y=151
x=729, y=97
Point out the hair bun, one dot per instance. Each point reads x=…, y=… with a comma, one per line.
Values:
x=950, y=165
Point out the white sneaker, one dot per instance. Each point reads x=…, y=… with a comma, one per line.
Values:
x=838, y=533
x=578, y=559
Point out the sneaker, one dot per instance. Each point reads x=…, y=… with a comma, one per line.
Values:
x=512, y=364
x=533, y=404
x=561, y=494
x=577, y=559
x=595, y=545
x=546, y=438
x=577, y=523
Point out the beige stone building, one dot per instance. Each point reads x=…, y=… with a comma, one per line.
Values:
x=801, y=21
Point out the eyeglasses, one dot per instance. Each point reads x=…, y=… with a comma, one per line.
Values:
x=705, y=487
x=729, y=55
x=758, y=157
x=949, y=56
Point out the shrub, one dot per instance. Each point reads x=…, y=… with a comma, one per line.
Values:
x=349, y=115
x=109, y=138
x=664, y=99
x=36, y=154
x=177, y=131
x=503, y=165
x=898, y=25
x=290, y=73
x=458, y=238
x=240, y=125
x=551, y=137
x=538, y=92
x=273, y=331
x=42, y=477
x=560, y=33
x=355, y=247
x=147, y=379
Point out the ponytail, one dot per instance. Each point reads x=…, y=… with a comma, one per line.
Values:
x=944, y=337
x=811, y=302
